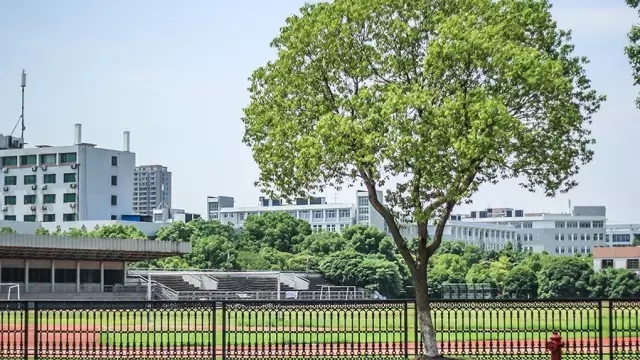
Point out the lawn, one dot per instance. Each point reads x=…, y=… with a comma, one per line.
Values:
x=333, y=324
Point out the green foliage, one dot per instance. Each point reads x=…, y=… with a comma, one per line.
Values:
x=7, y=230
x=277, y=230
x=633, y=49
x=565, y=277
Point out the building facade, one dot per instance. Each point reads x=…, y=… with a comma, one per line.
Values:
x=151, y=189
x=315, y=210
x=578, y=232
x=621, y=235
x=66, y=183
x=486, y=236
x=627, y=257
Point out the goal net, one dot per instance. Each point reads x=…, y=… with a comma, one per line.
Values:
x=329, y=292
x=10, y=291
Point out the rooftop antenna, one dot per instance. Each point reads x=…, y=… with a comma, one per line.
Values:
x=23, y=85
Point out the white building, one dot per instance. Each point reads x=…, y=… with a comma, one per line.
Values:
x=486, y=236
x=627, y=257
x=620, y=235
x=151, y=188
x=577, y=232
x=66, y=183
x=315, y=210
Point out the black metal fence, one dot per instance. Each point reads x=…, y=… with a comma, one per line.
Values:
x=476, y=329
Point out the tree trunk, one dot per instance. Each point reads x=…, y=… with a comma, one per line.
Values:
x=423, y=311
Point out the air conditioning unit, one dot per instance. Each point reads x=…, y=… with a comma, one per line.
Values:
x=44, y=187
x=73, y=205
x=33, y=208
x=74, y=166
x=5, y=170
x=33, y=187
x=44, y=207
x=44, y=168
x=34, y=168
x=73, y=186
x=6, y=188
x=4, y=208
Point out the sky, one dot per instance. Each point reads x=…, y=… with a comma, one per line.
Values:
x=174, y=73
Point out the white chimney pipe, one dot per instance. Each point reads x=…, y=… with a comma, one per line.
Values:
x=78, y=137
x=127, y=141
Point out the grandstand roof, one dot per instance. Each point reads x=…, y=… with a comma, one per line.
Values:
x=20, y=246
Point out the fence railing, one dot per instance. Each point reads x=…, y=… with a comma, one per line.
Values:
x=480, y=329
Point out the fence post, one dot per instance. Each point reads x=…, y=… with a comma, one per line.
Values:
x=406, y=329
x=36, y=336
x=555, y=345
x=224, y=330
x=25, y=344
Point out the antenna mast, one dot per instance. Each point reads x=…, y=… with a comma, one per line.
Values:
x=23, y=85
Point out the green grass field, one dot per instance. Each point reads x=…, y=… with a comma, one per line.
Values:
x=203, y=327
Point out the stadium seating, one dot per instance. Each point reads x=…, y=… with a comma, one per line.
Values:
x=174, y=282
x=237, y=284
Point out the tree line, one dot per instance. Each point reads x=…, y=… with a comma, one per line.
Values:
x=366, y=257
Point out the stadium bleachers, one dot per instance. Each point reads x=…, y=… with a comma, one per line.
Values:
x=174, y=282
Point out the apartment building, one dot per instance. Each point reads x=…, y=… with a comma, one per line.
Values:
x=65, y=183
x=151, y=189
x=622, y=235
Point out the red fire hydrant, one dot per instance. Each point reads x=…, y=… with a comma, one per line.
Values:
x=555, y=345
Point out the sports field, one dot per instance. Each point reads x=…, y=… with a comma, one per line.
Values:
x=330, y=325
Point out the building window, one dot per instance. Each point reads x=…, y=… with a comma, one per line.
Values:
x=632, y=264
x=67, y=158
x=114, y=180
x=331, y=214
x=10, y=180
x=317, y=214
x=69, y=177
x=69, y=197
x=585, y=224
x=114, y=161
x=49, y=199
x=560, y=224
x=114, y=200
x=10, y=161
x=28, y=160
x=588, y=237
x=10, y=200
x=304, y=214
x=572, y=224
x=114, y=217
x=363, y=201
x=606, y=263
x=527, y=224
x=10, y=217
x=49, y=218
x=29, y=218
x=49, y=178
x=29, y=199
x=345, y=213
x=68, y=217
x=598, y=224
x=241, y=216
x=48, y=159
x=29, y=179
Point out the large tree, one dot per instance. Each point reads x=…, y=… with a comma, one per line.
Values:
x=439, y=96
x=633, y=49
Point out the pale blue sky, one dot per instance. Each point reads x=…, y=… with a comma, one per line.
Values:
x=174, y=73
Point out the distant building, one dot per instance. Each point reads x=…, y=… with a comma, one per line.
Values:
x=486, y=236
x=627, y=257
x=577, y=232
x=151, y=189
x=65, y=183
x=621, y=235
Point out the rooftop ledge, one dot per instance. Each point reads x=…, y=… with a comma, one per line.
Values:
x=21, y=246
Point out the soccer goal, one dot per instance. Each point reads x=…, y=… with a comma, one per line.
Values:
x=12, y=291
x=329, y=292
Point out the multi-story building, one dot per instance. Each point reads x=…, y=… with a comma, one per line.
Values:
x=65, y=183
x=315, y=210
x=151, y=189
x=577, y=232
x=621, y=235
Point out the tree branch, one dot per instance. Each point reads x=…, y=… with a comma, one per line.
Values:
x=390, y=220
